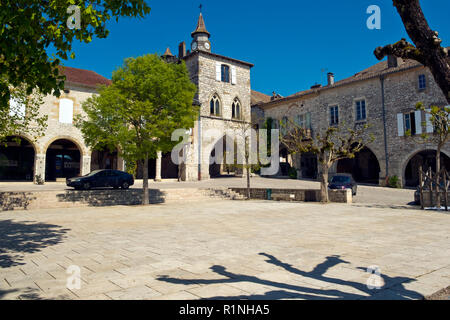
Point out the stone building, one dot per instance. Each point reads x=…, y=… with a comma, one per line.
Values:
x=61, y=151
x=223, y=96
x=384, y=96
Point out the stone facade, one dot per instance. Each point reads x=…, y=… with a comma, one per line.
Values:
x=209, y=128
x=397, y=87
x=61, y=141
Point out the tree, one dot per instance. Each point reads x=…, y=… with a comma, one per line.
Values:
x=147, y=100
x=23, y=115
x=331, y=145
x=28, y=28
x=439, y=119
x=244, y=132
x=427, y=50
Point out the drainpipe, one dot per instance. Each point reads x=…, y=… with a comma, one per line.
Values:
x=386, y=156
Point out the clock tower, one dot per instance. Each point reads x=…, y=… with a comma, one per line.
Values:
x=200, y=37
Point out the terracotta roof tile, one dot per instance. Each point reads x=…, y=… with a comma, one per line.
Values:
x=201, y=28
x=84, y=77
x=258, y=97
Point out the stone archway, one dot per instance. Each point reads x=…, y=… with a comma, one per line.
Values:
x=221, y=164
x=17, y=159
x=63, y=160
x=425, y=159
x=364, y=167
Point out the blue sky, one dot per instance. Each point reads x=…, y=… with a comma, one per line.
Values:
x=289, y=41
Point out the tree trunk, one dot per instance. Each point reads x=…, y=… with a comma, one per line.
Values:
x=145, y=196
x=427, y=50
x=324, y=183
x=438, y=169
x=248, y=182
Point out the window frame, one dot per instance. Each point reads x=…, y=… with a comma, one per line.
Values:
x=422, y=79
x=215, y=105
x=334, y=116
x=225, y=76
x=361, y=108
x=236, y=106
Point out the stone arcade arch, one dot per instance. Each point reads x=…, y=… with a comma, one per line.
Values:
x=63, y=160
x=425, y=158
x=364, y=167
x=17, y=159
x=224, y=168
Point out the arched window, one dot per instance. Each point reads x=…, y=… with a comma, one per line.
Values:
x=225, y=73
x=214, y=106
x=236, y=109
x=65, y=111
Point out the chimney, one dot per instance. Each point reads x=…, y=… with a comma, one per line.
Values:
x=316, y=86
x=393, y=61
x=330, y=77
x=182, y=50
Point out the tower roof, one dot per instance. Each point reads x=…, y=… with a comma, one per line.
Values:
x=201, y=28
x=167, y=53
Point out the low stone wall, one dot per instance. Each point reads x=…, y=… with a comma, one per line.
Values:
x=429, y=202
x=312, y=195
x=97, y=198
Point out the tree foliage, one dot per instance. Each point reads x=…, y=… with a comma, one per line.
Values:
x=23, y=115
x=29, y=28
x=147, y=100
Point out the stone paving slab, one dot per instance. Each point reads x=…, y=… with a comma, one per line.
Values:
x=224, y=250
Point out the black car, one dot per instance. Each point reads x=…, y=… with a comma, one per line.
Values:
x=102, y=179
x=343, y=181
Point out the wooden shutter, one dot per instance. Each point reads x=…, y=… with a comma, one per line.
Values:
x=428, y=122
x=401, y=129
x=233, y=75
x=418, y=116
x=308, y=120
x=218, y=72
x=65, y=111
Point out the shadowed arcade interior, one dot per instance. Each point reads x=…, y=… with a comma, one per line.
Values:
x=16, y=160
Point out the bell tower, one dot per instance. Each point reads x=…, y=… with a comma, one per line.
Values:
x=201, y=37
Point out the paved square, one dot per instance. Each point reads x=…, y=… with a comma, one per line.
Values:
x=225, y=250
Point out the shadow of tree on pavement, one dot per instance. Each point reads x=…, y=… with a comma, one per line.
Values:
x=18, y=238
x=300, y=290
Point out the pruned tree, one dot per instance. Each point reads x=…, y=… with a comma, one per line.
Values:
x=331, y=145
x=244, y=130
x=148, y=99
x=427, y=47
x=30, y=30
x=439, y=122
x=23, y=115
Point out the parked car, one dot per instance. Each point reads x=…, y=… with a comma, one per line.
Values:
x=102, y=179
x=343, y=181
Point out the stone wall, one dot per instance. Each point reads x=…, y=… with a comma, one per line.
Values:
x=312, y=195
x=209, y=129
x=100, y=198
